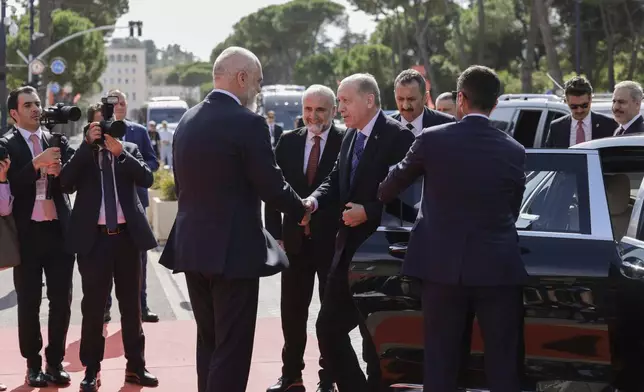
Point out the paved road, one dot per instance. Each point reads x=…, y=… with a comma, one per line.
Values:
x=167, y=296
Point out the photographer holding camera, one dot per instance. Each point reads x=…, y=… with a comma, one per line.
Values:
x=137, y=134
x=41, y=211
x=108, y=230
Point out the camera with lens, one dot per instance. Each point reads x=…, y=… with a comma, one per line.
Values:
x=109, y=126
x=59, y=114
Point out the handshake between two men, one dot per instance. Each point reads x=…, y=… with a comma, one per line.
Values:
x=353, y=215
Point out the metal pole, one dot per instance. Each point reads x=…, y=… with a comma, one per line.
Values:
x=3, y=66
x=578, y=36
x=31, y=38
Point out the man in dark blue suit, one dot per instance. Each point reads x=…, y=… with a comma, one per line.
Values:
x=464, y=245
x=223, y=168
x=138, y=135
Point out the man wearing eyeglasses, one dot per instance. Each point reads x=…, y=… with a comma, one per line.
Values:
x=582, y=124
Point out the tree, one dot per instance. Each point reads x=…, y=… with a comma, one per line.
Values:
x=84, y=55
x=280, y=35
x=99, y=12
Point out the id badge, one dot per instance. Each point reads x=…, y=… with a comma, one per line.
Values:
x=41, y=188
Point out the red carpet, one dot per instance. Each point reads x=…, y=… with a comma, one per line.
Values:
x=170, y=355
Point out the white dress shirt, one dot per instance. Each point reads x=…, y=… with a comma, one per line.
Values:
x=588, y=129
x=367, y=132
x=120, y=217
x=628, y=124
x=417, y=123
x=308, y=146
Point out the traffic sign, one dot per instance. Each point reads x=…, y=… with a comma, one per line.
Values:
x=55, y=88
x=37, y=67
x=57, y=66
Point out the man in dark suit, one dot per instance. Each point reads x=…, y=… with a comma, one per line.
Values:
x=464, y=245
x=627, y=103
x=274, y=129
x=306, y=157
x=137, y=134
x=373, y=142
x=411, y=94
x=218, y=239
x=582, y=124
x=41, y=223
x=108, y=230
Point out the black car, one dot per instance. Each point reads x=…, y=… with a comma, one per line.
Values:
x=582, y=241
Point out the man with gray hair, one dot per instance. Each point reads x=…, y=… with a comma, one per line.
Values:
x=373, y=142
x=224, y=168
x=446, y=103
x=627, y=102
x=306, y=156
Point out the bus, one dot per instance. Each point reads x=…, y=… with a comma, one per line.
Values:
x=159, y=109
x=285, y=100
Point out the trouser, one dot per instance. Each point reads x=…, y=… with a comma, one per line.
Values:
x=112, y=258
x=144, y=285
x=41, y=249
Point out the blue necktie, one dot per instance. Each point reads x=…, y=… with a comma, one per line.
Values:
x=109, y=193
x=358, y=149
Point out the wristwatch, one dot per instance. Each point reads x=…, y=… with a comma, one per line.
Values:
x=121, y=158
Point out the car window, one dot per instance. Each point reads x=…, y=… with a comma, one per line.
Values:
x=404, y=210
x=502, y=118
x=634, y=229
x=527, y=126
x=556, y=200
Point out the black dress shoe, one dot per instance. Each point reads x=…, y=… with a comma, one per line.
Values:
x=325, y=387
x=141, y=377
x=91, y=382
x=107, y=317
x=57, y=375
x=149, y=317
x=286, y=384
x=35, y=378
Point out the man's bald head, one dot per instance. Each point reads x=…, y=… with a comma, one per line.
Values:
x=238, y=71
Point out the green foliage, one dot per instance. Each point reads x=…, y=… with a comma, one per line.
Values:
x=168, y=190
x=190, y=75
x=281, y=34
x=84, y=55
x=159, y=176
x=100, y=13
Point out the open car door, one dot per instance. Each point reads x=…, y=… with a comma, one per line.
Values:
x=567, y=246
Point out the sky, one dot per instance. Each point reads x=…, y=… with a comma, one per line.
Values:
x=198, y=25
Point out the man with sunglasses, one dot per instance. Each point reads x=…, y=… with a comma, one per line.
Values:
x=582, y=124
x=274, y=129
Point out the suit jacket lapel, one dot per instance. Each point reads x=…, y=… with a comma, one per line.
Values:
x=301, y=163
x=346, y=155
x=24, y=147
x=370, y=149
x=328, y=158
x=594, y=123
x=565, y=134
x=427, y=118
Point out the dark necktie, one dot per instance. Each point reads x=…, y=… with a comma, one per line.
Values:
x=410, y=127
x=314, y=157
x=109, y=193
x=358, y=149
x=620, y=131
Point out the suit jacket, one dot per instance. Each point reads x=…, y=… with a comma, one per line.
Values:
x=277, y=130
x=22, y=179
x=636, y=127
x=465, y=232
x=137, y=134
x=82, y=173
x=431, y=117
x=224, y=166
x=289, y=155
x=559, y=133
x=387, y=145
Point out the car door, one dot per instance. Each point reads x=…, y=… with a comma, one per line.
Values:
x=567, y=246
